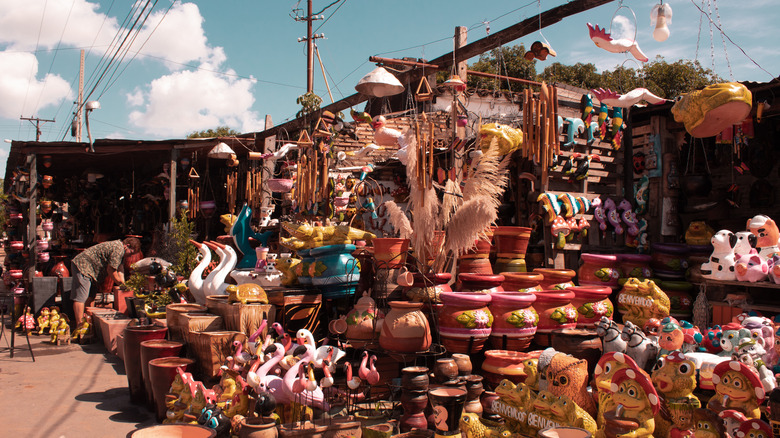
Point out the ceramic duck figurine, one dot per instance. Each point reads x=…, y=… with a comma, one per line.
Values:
x=737, y=386
x=215, y=282
x=195, y=282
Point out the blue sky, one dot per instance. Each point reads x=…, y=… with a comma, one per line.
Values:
x=200, y=64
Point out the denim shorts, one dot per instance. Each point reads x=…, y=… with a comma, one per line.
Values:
x=81, y=285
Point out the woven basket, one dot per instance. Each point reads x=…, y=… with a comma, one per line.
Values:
x=244, y=318
x=211, y=349
x=174, y=321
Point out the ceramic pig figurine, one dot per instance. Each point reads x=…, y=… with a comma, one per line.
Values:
x=720, y=266
x=774, y=269
x=752, y=268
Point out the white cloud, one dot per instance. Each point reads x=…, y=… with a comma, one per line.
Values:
x=623, y=27
x=186, y=101
x=18, y=80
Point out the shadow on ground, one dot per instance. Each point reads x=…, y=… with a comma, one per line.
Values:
x=118, y=400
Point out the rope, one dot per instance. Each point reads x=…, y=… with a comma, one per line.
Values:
x=726, y=52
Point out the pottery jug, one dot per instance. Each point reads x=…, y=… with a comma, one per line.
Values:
x=592, y=302
x=445, y=369
x=414, y=379
x=599, y=270
x=363, y=322
x=474, y=390
x=555, y=310
x=515, y=320
x=556, y=278
x=522, y=281
x=258, y=427
x=405, y=328
x=464, y=321
x=463, y=361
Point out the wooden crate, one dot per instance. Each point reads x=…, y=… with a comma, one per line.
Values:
x=298, y=309
x=200, y=322
x=211, y=349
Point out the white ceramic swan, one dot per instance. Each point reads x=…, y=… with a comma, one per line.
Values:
x=195, y=283
x=215, y=284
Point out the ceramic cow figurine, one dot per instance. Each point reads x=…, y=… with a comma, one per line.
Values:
x=720, y=266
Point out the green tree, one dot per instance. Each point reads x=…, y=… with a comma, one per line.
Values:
x=670, y=80
x=579, y=75
x=221, y=131
x=309, y=102
x=505, y=61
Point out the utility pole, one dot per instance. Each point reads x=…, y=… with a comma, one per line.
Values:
x=37, y=125
x=309, y=38
x=80, y=101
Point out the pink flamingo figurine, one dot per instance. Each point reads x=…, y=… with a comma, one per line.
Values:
x=363, y=370
x=373, y=375
x=253, y=343
x=353, y=383
x=311, y=384
x=327, y=381
x=242, y=357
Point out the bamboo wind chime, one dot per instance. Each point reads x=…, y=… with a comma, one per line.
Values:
x=231, y=187
x=424, y=140
x=193, y=193
x=254, y=186
x=540, y=126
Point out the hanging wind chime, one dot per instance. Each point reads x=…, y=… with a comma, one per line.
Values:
x=193, y=193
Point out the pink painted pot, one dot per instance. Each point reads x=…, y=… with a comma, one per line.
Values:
x=556, y=278
x=591, y=302
x=637, y=265
x=464, y=321
x=555, y=310
x=515, y=320
x=599, y=270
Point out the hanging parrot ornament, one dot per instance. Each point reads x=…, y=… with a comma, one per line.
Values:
x=602, y=120
x=586, y=104
x=617, y=128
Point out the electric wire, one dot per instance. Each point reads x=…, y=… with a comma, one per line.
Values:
x=54, y=57
x=37, y=43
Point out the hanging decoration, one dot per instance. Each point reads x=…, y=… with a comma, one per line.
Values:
x=661, y=17
x=709, y=111
x=627, y=100
x=604, y=40
x=379, y=83
x=193, y=193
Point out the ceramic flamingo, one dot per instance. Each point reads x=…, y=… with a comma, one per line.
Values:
x=327, y=381
x=372, y=377
x=629, y=99
x=311, y=384
x=363, y=369
x=628, y=217
x=315, y=398
x=254, y=339
x=215, y=285
x=242, y=357
x=613, y=216
x=262, y=380
x=603, y=40
x=195, y=282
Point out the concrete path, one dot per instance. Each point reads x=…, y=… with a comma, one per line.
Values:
x=69, y=391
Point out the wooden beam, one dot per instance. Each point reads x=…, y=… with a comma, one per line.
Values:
x=393, y=61
x=503, y=78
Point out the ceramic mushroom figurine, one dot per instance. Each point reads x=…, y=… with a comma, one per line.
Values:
x=737, y=386
x=732, y=419
x=607, y=366
x=753, y=428
x=636, y=399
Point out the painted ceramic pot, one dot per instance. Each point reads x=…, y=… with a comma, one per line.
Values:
x=363, y=322
x=390, y=252
x=636, y=265
x=16, y=245
x=555, y=310
x=405, y=328
x=669, y=260
x=510, y=265
x=470, y=282
x=335, y=270
x=515, y=320
x=505, y=364
x=474, y=389
x=414, y=403
x=511, y=242
x=43, y=257
x=258, y=427
x=445, y=369
x=475, y=266
x=522, y=281
x=42, y=245
x=47, y=225
x=133, y=336
x=556, y=278
x=464, y=321
x=280, y=185
x=447, y=404
x=599, y=270
x=592, y=303
x=680, y=301
x=59, y=269
x=302, y=268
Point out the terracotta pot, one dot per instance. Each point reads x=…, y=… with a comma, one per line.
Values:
x=445, y=369
x=381, y=430
x=636, y=265
x=447, y=404
x=669, y=260
x=175, y=321
x=515, y=320
x=564, y=432
x=580, y=343
x=415, y=378
x=161, y=374
x=130, y=259
x=511, y=242
x=510, y=265
x=599, y=270
x=470, y=282
x=482, y=247
x=464, y=321
x=474, y=390
x=414, y=401
x=390, y=252
x=486, y=399
x=154, y=349
x=475, y=266
x=591, y=302
x=416, y=420
x=505, y=364
x=59, y=269
x=258, y=427
x=363, y=322
x=556, y=278
x=439, y=281
x=405, y=329
x=173, y=431
x=681, y=303
x=463, y=361
x=133, y=336
x=555, y=310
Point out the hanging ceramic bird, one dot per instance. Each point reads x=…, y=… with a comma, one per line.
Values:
x=575, y=127
x=586, y=103
x=629, y=99
x=602, y=120
x=616, y=132
x=582, y=167
x=603, y=40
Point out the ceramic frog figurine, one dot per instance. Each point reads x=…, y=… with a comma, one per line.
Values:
x=540, y=412
x=566, y=413
x=607, y=366
x=471, y=426
x=637, y=400
x=642, y=300
x=674, y=377
x=737, y=386
x=531, y=369
x=707, y=424
x=286, y=265
x=514, y=404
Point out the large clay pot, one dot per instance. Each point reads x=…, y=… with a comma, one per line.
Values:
x=161, y=374
x=486, y=399
x=680, y=301
x=555, y=310
x=174, y=318
x=258, y=427
x=415, y=379
x=563, y=432
x=405, y=329
x=511, y=242
x=59, y=269
x=591, y=302
x=514, y=320
x=475, y=266
x=599, y=270
x=133, y=336
x=154, y=349
x=427, y=287
x=636, y=265
x=505, y=364
x=580, y=343
x=556, y=278
x=522, y=281
x=669, y=260
x=447, y=404
x=179, y=430
x=302, y=269
x=335, y=271
x=390, y=253
x=363, y=322
x=414, y=403
x=464, y=321
x=470, y=282
x=510, y=265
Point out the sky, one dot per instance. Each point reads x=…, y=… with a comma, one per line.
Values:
x=195, y=65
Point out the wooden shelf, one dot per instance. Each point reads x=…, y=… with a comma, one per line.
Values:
x=760, y=284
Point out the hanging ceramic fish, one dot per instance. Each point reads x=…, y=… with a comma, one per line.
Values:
x=575, y=127
x=603, y=40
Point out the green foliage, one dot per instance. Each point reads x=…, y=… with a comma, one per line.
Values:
x=505, y=61
x=682, y=76
x=309, y=102
x=221, y=131
x=136, y=283
x=175, y=246
x=579, y=75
